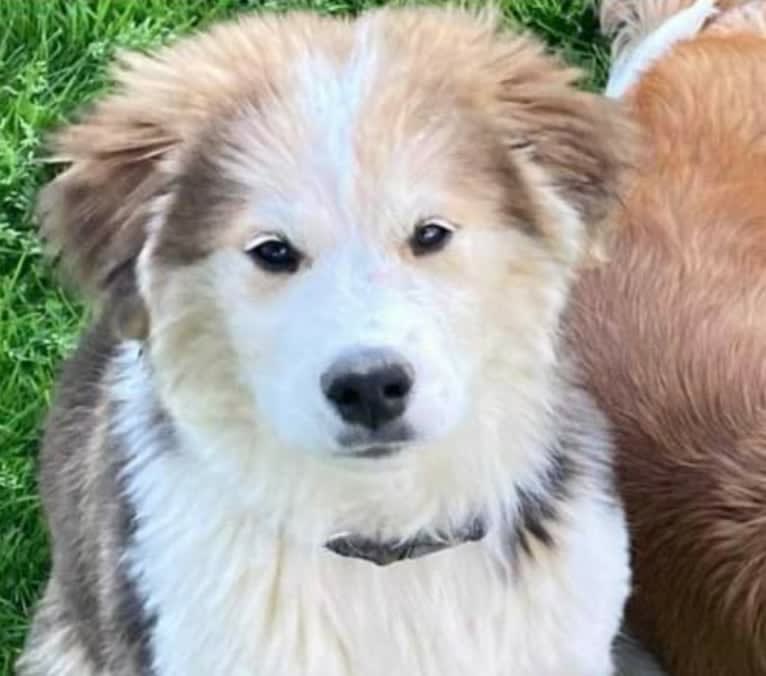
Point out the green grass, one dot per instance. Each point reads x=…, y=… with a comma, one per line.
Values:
x=52, y=59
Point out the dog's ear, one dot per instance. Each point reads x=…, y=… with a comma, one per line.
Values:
x=585, y=142
x=94, y=219
x=122, y=158
x=95, y=214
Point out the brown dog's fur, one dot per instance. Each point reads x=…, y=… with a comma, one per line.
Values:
x=673, y=336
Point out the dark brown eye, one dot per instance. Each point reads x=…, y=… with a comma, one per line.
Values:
x=430, y=237
x=275, y=255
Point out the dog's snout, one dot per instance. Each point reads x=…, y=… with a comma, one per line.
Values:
x=370, y=388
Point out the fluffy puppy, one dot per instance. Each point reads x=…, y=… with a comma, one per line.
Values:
x=322, y=425
x=672, y=331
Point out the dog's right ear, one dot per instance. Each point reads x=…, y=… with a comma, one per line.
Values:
x=122, y=158
x=94, y=216
x=94, y=220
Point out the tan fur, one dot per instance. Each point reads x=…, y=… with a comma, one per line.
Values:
x=126, y=151
x=673, y=336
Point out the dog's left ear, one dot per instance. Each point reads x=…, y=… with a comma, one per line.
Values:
x=584, y=142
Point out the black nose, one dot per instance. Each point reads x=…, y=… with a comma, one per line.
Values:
x=369, y=389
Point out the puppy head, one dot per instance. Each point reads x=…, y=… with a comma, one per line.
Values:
x=342, y=239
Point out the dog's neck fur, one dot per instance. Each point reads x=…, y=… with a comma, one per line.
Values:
x=200, y=551
x=317, y=500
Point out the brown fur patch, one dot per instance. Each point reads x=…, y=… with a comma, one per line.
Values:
x=673, y=338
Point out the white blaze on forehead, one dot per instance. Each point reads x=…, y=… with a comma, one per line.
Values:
x=330, y=93
x=326, y=95
x=327, y=151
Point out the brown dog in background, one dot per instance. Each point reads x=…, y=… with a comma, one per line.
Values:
x=673, y=330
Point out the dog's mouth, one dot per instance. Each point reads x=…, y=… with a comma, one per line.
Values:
x=375, y=452
x=375, y=444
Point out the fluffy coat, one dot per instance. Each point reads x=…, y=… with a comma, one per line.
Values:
x=193, y=469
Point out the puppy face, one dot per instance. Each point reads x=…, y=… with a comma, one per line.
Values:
x=355, y=238
x=348, y=265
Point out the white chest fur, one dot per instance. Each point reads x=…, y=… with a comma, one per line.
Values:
x=231, y=598
x=232, y=601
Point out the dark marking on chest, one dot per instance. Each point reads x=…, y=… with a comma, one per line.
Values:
x=539, y=511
